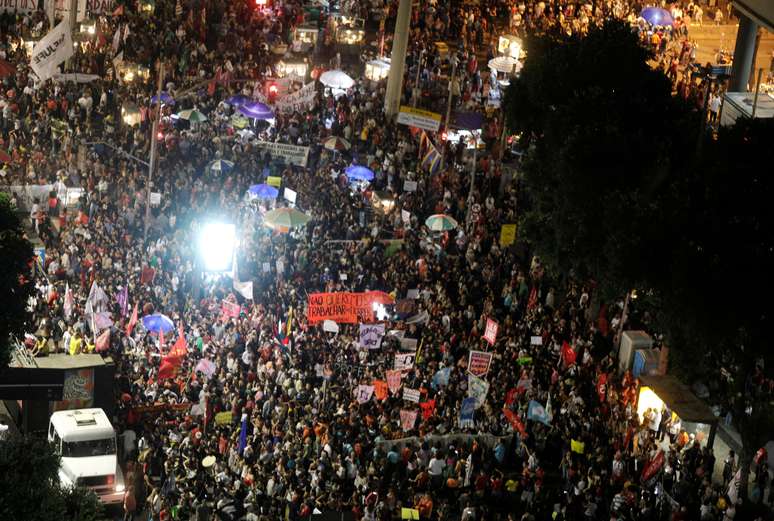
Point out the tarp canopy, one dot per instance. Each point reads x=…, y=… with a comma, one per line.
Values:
x=679, y=398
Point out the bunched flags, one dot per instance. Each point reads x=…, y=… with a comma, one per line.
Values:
x=432, y=159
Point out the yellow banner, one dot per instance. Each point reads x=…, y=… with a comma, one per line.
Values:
x=507, y=234
x=223, y=418
x=274, y=181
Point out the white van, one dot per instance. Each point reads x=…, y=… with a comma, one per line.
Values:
x=86, y=441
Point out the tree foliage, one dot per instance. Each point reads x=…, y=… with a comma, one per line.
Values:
x=15, y=284
x=617, y=191
x=30, y=489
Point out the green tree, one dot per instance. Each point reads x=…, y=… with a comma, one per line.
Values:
x=30, y=489
x=15, y=283
x=616, y=192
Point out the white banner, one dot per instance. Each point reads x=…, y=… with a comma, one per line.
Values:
x=411, y=395
x=18, y=6
x=301, y=100
x=51, y=50
x=404, y=362
x=87, y=9
x=419, y=118
x=292, y=154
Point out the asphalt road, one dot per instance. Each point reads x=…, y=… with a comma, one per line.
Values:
x=712, y=38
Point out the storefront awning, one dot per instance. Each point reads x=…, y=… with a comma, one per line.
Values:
x=679, y=398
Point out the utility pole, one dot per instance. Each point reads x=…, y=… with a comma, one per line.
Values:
x=153, y=149
x=416, y=80
x=448, y=113
x=398, y=59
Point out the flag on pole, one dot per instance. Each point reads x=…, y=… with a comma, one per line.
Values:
x=568, y=354
x=180, y=349
x=432, y=159
x=243, y=288
x=537, y=412
x=424, y=141
x=132, y=321
x=103, y=341
x=98, y=299
x=167, y=370
x=122, y=298
x=242, y=434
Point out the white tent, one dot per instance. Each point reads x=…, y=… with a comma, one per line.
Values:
x=336, y=79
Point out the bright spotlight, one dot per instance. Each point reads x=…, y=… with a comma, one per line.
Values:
x=381, y=311
x=216, y=246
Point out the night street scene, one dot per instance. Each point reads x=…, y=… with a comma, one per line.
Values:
x=386, y=260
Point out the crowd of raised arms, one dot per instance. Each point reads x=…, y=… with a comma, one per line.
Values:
x=319, y=422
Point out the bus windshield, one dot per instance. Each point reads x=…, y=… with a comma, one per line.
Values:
x=87, y=448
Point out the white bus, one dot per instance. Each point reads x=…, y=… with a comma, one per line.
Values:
x=86, y=441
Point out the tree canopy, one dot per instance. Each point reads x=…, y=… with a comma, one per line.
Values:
x=30, y=489
x=617, y=191
x=15, y=284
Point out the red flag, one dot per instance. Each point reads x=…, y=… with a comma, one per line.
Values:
x=533, y=298
x=176, y=361
x=180, y=348
x=147, y=275
x=653, y=466
x=132, y=321
x=510, y=396
x=515, y=421
x=230, y=309
x=103, y=341
x=568, y=355
x=602, y=386
x=428, y=408
x=167, y=370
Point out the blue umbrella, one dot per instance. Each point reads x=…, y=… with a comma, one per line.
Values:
x=220, y=165
x=158, y=322
x=657, y=16
x=359, y=173
x=263, y=191
x=165, y=98
x=238, y=100
x=256, y=111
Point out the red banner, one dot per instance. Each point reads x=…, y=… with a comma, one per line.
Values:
x=345, y=307
x=515, y=421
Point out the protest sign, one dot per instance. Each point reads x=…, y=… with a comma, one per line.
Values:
x=371, y=335
x=364, y=393
x=408, y=344
x=477, y=389
x=291, y=154
x=298, y=101
x=490, y=333
x=411, y=395
x=223, y=418
x=478, y=362
x=507, y=234
x=409, y=186
x=380, y=389
x=536, y=341
x=407, y=419
x=18, y=6
x=393, y=380
x=418, y=118
x=467, y=410
x=343, y=307
x=404, y=361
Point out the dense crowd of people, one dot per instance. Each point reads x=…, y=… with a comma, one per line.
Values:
x=263, y=418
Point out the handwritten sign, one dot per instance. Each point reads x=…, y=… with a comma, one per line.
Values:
x=507, y=234
x=490, y=333
x=371, y=335
x=342, y=307
x=393, y=380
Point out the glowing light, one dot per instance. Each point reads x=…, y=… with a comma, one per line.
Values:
x=648, y=400
x=216, y=246
x=381, y=311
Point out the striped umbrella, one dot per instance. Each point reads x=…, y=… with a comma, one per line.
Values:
x=220, y=165
x=336, y=143
x=440, y=223
x=285, y=218
x=192, y=115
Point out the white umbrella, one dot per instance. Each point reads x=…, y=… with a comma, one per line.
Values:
x=503, y=64
x=336, y=79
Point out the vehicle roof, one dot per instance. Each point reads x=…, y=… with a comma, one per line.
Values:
x=95, y=425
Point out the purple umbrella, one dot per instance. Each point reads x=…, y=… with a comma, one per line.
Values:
x=256, y=110
x=238, y=100
x=165, y=98
x=657, y=16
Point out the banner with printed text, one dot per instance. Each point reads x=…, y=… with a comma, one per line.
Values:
x=490, y=333
x=478, y=362
x=301, y=100
x=411, y=395
x=291, y=154
x=51, y=50
x=18, y=6
x=477, y=389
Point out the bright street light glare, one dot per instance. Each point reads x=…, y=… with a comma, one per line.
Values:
x=216, y=246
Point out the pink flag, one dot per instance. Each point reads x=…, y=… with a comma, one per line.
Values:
x=407, y=419
x=103, y=341
x=230, y=309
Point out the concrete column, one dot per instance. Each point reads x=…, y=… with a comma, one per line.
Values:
x=398, y=59
x=744, y=51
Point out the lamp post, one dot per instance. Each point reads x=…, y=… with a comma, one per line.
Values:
x=153, y=150
x=398, y=61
